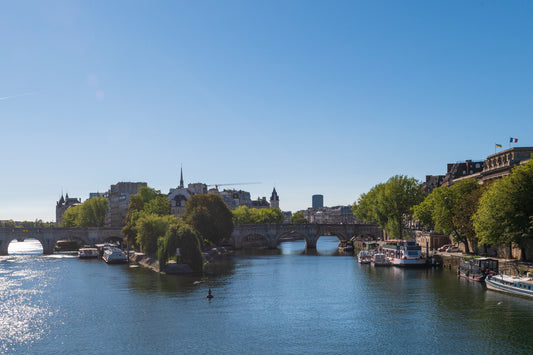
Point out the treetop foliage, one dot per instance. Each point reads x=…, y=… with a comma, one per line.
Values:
x=245, y=215
x=388, y=203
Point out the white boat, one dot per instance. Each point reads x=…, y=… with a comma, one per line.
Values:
x=87, y=253
x=114, y=256
x=404, y=253
x=364, y=257
x=379, y=259
x=510, y=284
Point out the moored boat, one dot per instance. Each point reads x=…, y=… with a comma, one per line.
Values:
x=87, y=253
x=477, y=269
x=379, y=259
x=114, y=256
x=406, y=253
x=364, y=257
x=516, y=285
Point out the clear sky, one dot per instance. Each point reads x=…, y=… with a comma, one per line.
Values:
x=309, y=97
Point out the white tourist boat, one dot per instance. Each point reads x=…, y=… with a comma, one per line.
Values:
x=516, y=285
x=405, y=253
x=87, y=253
x=114, y=256
x=379, y=259
x=364, y=257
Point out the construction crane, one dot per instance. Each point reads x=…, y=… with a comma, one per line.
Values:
x=233, y=184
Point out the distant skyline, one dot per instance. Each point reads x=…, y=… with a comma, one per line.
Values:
x=309, y=97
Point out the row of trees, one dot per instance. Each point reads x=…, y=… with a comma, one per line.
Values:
x=38, y=223
x=245, y=215
x=151, y=228
x=90, y=213
x=498, y=213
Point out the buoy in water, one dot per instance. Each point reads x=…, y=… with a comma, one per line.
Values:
x=209, y=295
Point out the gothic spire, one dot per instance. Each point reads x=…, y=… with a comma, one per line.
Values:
x=181, y=178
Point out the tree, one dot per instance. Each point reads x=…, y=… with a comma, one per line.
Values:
x=150, y=228
x=181, y=235
x=446, y=210
x=245, y=215
x=93, y=212
x=505, y=212
x=298, y=218
x=210, y=216
x=159, y=205
x=145, y=202
x=388, y=204
x=71, y=217
x=242, y=215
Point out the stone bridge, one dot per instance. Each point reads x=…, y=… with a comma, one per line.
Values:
x=270, y=235
x=48, y=237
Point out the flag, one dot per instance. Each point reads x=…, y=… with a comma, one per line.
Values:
x=513, y=140
x=498, y=145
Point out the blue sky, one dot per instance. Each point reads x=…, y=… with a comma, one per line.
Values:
x=310, y=97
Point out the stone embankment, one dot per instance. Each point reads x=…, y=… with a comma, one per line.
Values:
x=172, y=267
x=508, y=266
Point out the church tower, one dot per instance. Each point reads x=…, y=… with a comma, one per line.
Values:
x=181, y=179
x=274, y=199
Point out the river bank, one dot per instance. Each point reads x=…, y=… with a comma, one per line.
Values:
x=173, y=268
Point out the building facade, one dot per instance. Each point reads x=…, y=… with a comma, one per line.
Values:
x=119, y=200
x=330, y=215
x=317, y=201
x=64, y=204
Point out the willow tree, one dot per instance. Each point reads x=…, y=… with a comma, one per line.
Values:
x=388, y=204
x=181, y=235
x=505, y=212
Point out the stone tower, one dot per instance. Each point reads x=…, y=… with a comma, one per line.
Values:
x=274, y=199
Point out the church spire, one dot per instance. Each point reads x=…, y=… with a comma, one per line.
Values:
x=181, y=178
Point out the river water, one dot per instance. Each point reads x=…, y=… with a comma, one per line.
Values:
x=269, y=302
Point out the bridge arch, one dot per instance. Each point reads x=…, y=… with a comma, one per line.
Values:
x=291, y=235
x=35, y=251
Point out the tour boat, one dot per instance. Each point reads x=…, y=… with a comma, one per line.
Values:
x=477, y=269
x=380, y=259
x=510, y=284
x=87, y=253
x=364, y=257
x=114, y=256
x=404, y=253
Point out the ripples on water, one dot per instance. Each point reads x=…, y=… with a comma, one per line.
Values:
x=23, y=312
x=266, y=301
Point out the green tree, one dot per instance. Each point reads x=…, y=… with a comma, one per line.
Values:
x=93, y=212
x=245, y=215
x=10, y=224
x=146, y=202
x=71, y=217
x=505, y=212
x=388, y=204
x=210, y=216
x=181, y=235
x=242, y=215
x=159, y=205
x=445, y=211
x=150, y=228
x=298, y=218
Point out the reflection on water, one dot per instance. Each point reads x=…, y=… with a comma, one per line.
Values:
x=27, y=247
x=280, y=301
